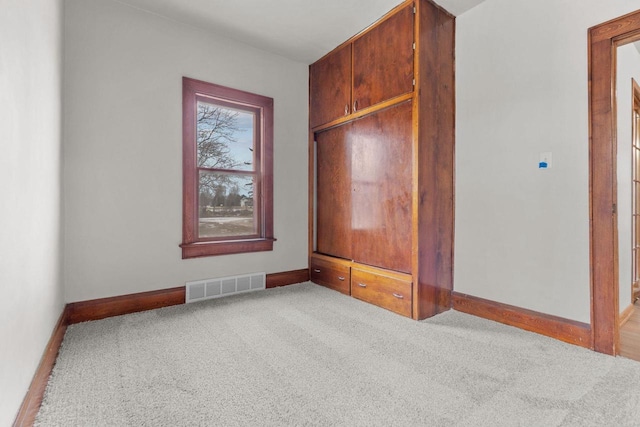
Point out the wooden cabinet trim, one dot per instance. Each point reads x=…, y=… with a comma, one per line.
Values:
x=395, y=275
x=389, y=103
x=335, y=260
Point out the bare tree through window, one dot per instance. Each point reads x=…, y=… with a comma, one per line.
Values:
x=225, y=155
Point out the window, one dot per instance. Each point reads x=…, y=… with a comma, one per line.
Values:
x=227, y=170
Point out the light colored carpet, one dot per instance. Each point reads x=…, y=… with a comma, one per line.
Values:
x=306, y=355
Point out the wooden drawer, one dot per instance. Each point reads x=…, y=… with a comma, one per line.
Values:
x=332, y=274
x=385, y=289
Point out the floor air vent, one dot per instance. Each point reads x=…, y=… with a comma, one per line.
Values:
x=223, y=286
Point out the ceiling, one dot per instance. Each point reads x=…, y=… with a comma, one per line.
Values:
x=301, y=30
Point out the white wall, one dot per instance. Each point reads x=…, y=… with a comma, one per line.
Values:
x=628, y=67
x=123, y=142
x=522, y=234
x=30, y=168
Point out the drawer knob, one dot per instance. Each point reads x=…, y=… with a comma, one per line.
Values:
x=341, y=278
x=399, y=296
x=316, y=270
x=362, y=285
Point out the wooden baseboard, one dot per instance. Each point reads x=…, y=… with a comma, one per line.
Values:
x=33, y=399
x=559, y=328
x=287, y=278
x=125, y=304
x=626, y=314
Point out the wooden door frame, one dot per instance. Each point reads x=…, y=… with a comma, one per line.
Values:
x=603, y=226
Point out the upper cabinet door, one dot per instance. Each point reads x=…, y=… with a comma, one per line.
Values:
x=330, y=87
x=383, y=60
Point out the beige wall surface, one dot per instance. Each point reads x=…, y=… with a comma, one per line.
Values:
x=123, y=142
x=522, y=234
x=30, y=169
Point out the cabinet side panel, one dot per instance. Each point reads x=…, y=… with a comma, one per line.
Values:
x=382, y=198
x=334, y=193
x=436, y=159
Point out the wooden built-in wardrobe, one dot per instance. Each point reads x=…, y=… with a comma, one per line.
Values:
x=382, y=110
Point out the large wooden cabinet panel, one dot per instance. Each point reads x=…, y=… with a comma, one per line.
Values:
x=382, y=184
x=388, y=45
x=355, y=76
x=364, y=189
x=334, y=192
x=381, y=153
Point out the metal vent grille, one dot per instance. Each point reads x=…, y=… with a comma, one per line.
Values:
x=200, y=290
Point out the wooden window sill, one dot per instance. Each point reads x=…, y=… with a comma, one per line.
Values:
x=226, y=247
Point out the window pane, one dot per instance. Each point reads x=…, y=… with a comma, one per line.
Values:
x=225, y=205
x=225, y=137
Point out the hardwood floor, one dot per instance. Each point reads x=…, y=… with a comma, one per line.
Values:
x=630, y=335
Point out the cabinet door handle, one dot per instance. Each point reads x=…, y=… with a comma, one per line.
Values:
x=355, y=106
x=346, y=109
x=316, y=270
x=362, y=285
x=399, y=296
x=341, y=278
